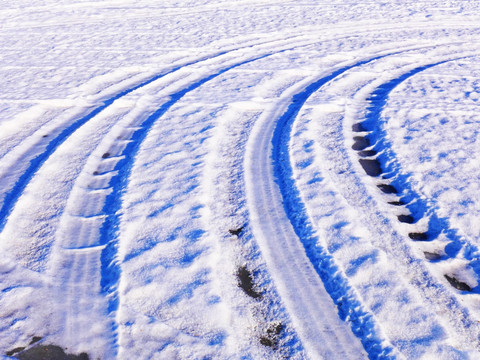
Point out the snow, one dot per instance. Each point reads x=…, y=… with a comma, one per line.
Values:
x=253, y=179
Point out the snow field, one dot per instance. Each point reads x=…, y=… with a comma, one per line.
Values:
x=148, y=159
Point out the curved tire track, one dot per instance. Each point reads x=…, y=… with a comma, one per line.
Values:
x=121, y=164
x=13, y=194
x=463, y=322
x=376, y=153
x=107, y=245
x=335, y=284
x=381, y=155
x=298, y=285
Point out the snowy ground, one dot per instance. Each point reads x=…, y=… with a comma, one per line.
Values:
x=248, y=179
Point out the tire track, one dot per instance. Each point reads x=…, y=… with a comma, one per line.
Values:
x=12, y=195
x=110, y=270
x=338, y=164
x=317, y=323
x=363, y=323
x=225, y=173
x=89, y=251
x=378, y=160
x=336, y=284
x=108, y=236
x=108, y=242
x=84, y=266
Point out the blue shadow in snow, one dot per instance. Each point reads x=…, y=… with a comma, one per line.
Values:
x=187, y=291
x=356, y=264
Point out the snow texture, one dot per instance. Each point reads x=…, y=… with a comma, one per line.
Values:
x=219, y=179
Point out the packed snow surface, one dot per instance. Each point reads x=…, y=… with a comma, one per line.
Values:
x=248, y=179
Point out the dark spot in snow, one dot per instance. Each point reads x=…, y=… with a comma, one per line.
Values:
x=418, y=236
x=246, y=282
x=265, y=341
x=95, y=173
x=371, y=167
x=48, y=352
x=367, y=153
x=408, y=219
x=271, y=338
x=106, y=155
x=457, y=284
x=361, y=143
x=275, y=329
x=387, y=189
x=358, y=127
x=236, y=231
x=432, y=256
x=396, y=203
x=35, y=339
x=14, y=351
x=45, y=136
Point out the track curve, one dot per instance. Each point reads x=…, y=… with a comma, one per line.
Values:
x=301, y=158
